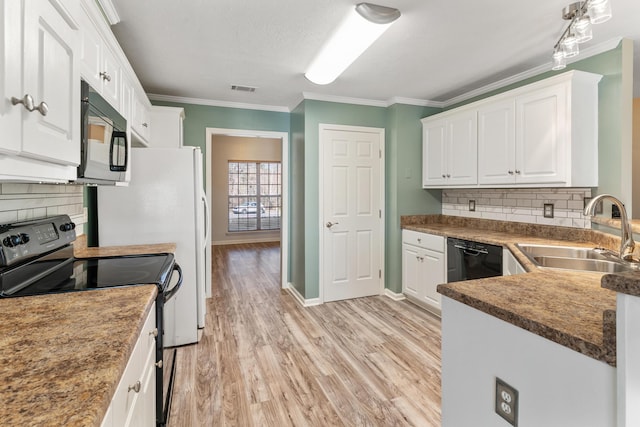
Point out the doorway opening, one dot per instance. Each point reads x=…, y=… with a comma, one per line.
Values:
x=262, y=149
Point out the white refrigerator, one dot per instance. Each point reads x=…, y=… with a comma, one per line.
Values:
x=165, y=202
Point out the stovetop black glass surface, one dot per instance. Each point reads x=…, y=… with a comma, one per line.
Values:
x=69, y=275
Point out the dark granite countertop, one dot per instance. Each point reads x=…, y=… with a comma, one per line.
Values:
x=570, y=308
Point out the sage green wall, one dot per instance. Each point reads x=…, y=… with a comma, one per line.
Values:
x=296, y=199
x=200, y=117
x=404, y=193
x=610, y=122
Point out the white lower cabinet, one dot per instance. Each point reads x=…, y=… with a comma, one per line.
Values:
x=510, y=264
x=133, y=402
x=423, y=268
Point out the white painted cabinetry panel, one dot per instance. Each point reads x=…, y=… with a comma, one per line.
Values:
x=423, y=268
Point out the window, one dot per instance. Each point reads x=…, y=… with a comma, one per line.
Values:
x=255, y=196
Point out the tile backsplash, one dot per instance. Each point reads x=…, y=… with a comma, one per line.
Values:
x=21, y=202
x=520, y=205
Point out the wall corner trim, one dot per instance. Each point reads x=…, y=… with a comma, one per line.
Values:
x=300, y=299
x=394, y=295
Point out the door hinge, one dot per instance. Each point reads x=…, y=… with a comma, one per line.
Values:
x=379, y=154
x=379, y=274
x=379, y=213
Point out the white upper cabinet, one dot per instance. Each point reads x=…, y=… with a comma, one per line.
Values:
x=496, y=142
x=542, y=134
x=166, y=131
x=99, y=66
x=449, y=149
x=52, y=131
x=40, y=84
x=141, y=120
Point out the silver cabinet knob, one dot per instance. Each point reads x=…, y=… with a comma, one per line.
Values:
x=158, y=364
x=510, y=172
x=517, y=172
x=331, y=224
x=145, y=125
x=43, y=108
x=135, y=387
x=448, y=176
x=26, y=101
x=105, y=76
x=154, y=332
x=444, y=176
x=419, y=240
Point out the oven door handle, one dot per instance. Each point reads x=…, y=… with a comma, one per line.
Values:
x=168, y=295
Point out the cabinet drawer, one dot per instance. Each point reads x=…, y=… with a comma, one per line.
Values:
x=423, y=240
x=124, y=399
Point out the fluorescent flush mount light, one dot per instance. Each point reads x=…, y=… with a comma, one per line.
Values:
x=364, y=24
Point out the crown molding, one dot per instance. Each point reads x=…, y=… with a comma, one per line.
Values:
x=214, y=103
x=110, y=11
x=414, y=101
x=343, y=99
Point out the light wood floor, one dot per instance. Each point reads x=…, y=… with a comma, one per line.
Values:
x=266, y=361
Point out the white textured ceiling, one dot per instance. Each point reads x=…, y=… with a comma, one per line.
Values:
x=437, y=50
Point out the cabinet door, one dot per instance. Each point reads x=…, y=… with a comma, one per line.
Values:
x=462, y=149
x=496, y=143
x=411, y=270
x=541, y=136
x=90, y=53
x=433, y=274
x=140, y=122
x=111, y=75
x=433, y=153
x=51, y=76
x=10, y=77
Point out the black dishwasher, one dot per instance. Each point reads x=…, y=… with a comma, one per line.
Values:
x=467, y=260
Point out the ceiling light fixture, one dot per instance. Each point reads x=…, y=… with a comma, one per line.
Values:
x=364, y=24
x=581, y=14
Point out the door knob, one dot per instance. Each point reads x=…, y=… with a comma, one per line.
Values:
x=331, y=224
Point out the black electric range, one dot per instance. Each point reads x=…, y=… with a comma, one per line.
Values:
x=36, y=258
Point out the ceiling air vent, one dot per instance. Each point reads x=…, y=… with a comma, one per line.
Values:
x=243, y=88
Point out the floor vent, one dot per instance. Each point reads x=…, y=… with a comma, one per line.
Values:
x=243, y=88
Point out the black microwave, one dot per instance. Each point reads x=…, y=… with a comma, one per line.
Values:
x=104, y=147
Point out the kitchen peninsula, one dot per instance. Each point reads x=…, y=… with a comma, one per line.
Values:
x=551, y=334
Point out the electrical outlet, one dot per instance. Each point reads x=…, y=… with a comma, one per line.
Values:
x=472, y=205
x=507, y=402
x=548, y=210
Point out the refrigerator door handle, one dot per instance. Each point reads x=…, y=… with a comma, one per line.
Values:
x=207, y=220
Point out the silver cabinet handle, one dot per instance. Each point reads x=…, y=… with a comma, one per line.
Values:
x=331, y=224
x=105, y=76
x=26, y=101
x=43, y=108
x=135, y=387
x=154, y=332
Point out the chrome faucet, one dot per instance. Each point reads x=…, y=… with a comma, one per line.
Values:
x=627, y=245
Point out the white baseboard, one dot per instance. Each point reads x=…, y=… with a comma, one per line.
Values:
x=393, y=295
x=301, y=300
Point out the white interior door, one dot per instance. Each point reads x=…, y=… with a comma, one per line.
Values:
x=351, y=212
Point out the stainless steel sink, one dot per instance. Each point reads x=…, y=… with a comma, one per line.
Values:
x=576, y=258
x=598, y=265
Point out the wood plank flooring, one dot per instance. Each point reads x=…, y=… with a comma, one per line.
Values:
x=266, y=361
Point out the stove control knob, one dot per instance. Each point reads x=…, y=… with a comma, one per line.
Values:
x=14, y=240
x=67, y=226
x=7, y=242
x=25, y=238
